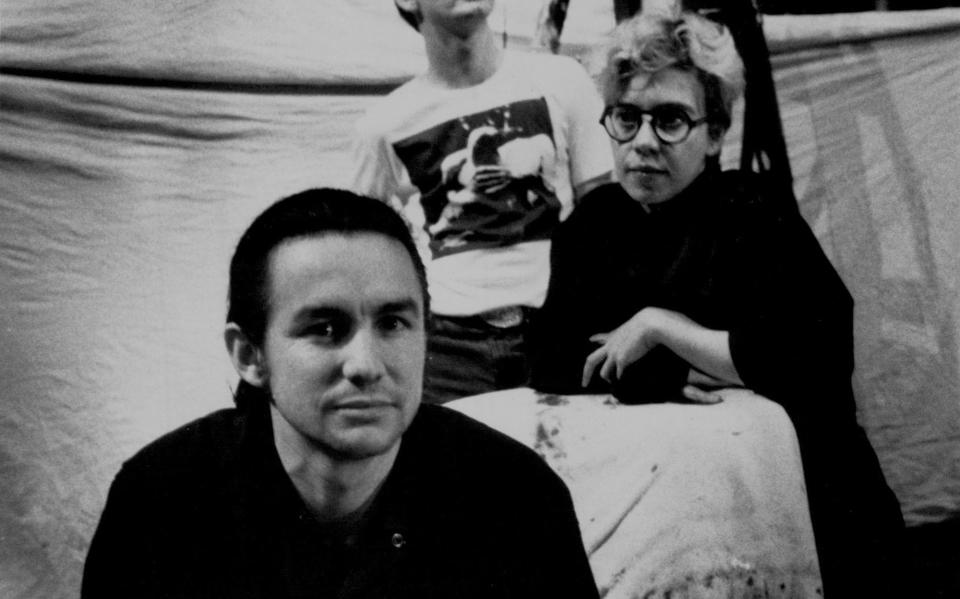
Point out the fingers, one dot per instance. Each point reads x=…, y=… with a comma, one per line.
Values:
x=490, y=170
x=490, y=179
x=702, y=379
x=596, y=357
x=701, y=396
x=610, y=370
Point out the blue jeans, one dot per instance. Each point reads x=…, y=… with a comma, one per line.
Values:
x=466, y=355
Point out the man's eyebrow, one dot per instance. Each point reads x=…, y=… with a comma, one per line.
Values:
x=314, y=312
x=672, y=104
x=401, y=305
x=324, y=311
x=678, y=105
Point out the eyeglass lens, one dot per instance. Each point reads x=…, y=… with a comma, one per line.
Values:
x=670, y=123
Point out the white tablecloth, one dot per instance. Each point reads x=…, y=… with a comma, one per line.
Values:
x=674, y=500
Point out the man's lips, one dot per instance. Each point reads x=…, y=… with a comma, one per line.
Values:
x=645, y=169
x=363, y=403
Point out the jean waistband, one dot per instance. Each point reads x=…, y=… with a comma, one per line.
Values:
x=504, y=318
x=507, y=317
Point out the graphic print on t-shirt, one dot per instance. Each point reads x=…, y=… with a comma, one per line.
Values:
x=486, y=179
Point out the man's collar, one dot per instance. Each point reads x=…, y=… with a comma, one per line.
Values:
x=701, y=189
x=390, y=507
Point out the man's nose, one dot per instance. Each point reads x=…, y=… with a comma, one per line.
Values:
x=646, y=138
x=362, y=363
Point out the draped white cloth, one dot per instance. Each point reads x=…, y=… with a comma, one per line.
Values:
x=674, y=500
x=137, y=140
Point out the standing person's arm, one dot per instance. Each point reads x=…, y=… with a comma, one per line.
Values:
x=374, y=172
x=377, y=172
x=591, y=160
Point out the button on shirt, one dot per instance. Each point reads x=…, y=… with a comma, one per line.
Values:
x=208, y=511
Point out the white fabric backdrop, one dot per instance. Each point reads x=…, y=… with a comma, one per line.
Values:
x=138, y=139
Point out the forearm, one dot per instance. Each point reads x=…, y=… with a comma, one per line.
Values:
x=707, y=350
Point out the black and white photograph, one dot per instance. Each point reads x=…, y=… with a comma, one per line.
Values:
x=478, y=299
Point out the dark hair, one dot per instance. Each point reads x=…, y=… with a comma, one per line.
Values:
x=306, y=214
x=409, y=16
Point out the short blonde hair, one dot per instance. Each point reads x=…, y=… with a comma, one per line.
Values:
x=652, y=41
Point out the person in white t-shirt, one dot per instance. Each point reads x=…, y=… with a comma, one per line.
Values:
x=484, y=153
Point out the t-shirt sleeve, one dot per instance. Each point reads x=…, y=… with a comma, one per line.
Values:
x=374, y=169
x=589, y=146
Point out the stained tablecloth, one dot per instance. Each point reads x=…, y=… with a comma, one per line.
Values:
x=674, y=500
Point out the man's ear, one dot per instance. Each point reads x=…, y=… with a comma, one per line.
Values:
x=246, y=356
x=715, y=143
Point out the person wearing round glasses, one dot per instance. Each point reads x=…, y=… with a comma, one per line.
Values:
x=680, y=279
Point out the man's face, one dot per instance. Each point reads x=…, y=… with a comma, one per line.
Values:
x=345, y=344
x=648, y=169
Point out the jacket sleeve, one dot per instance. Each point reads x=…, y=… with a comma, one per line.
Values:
x=582, y=300
x=794, y=331
x=559, y=339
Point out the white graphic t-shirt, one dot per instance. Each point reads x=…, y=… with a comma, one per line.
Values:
x=484, y=174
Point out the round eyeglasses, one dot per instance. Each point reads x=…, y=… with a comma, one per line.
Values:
x=671, y=124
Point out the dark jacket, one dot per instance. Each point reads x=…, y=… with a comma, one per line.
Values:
x=730, y=259
x=208, y=511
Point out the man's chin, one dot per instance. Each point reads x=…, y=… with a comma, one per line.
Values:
x=359, y=444
x=647, y=195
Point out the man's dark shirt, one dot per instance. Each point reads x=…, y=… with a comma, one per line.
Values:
x=208, y=511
